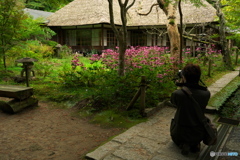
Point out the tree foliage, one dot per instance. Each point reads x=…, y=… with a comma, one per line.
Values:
x=232, y=14
x=222, y=34
x=232, y=11
x=47, y=5
x=17, y=29
x=34, y=41
x=11, y=17
x=33, y=30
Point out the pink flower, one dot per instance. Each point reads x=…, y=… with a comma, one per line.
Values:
x=159, y=76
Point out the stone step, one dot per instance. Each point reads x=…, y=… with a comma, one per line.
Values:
x=14, y=91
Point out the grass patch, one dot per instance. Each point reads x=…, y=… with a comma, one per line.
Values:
x=110, y=118
x=219, y=98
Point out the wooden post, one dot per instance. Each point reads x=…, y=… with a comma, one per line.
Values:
x=194, y=49
x=143, y=95
x=209, y=67
x=236, y=52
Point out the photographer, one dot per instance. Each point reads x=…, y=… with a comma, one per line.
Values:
x=190, y=131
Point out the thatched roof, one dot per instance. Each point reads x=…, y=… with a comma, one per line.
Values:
x=83, y=12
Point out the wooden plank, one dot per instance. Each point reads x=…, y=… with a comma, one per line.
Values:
x=17, y=92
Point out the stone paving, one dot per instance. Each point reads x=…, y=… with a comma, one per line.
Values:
x=222, y=82
x=232, y=144
x=151, y=140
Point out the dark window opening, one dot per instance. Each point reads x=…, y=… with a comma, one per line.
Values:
x=111, y=39
x=138, y=38
x=84, y=37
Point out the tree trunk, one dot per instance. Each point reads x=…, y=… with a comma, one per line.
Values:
x=181, y=31
x=223, y=41
x=172, y=28
x=3, y=57
x=122, y=50
x=4, y=61
x=121, y=33
x=173, y=32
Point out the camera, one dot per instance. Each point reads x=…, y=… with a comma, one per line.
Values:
x=178, y=80
x=179, y=74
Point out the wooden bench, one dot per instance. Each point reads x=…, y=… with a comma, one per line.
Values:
x=22, y=98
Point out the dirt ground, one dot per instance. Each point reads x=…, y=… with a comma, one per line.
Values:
x=45, y=133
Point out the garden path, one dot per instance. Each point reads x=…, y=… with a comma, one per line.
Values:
x=47, y=132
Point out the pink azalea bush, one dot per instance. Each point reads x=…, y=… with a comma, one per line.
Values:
x=148, y=61
x=153, y=62
x=76, y=62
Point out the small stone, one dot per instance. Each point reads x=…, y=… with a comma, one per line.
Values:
x=51, y=154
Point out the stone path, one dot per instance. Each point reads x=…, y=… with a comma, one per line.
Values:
x=232, y=144
x=151, y=140
x=222, y=82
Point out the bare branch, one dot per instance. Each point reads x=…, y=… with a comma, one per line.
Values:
x=195, y=38
x=121, y=4
x=145, y=14
x=110, y=2
x=225, y=6
x=131, y=5
x=190, y=31
x=126, y=2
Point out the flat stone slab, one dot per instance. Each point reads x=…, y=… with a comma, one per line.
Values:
x=104, y=150
x=14, y=91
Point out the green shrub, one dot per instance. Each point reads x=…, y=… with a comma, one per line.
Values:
x=43, y=68
x=32, y=49
x=112, y=91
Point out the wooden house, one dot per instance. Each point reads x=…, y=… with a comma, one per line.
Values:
x=84, y=25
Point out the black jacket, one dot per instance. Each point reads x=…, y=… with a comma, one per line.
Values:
x=191, y=129
x=185, y=109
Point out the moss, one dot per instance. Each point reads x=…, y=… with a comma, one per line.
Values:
x=175, y=48
x=171, y=22
x=219, y=98
x=230, y=109
x=111, y=118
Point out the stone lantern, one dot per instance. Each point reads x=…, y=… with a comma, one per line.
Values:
x=58, y=50
x=27, y=67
